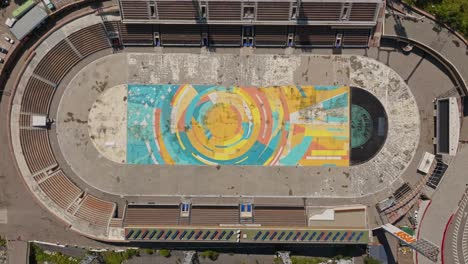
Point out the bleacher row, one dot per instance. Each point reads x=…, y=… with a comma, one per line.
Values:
x=233, y=11
x=169, y=215
x=246, y=235
x=35, y=144
x=233, y=35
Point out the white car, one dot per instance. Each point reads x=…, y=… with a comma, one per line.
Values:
x=9, y=40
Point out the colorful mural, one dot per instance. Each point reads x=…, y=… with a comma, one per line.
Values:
x=211, y=125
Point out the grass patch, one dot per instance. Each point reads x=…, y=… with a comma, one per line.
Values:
x=165, y=253
x=112, y=257
x=308, y=260
x=213, y=255
x=3, y=242
x=40, y=256
x=149, y=251
x=371, y=260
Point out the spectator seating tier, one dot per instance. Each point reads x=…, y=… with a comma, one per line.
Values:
x=180, y=10
x=90, y=39
x=134, y=9
x=95, y=210
x=148, y=215
x=36, y=149
x=37, y=97
x=223, y=35
x=180, y=35
x=271, y=36
x=133, y=34
x=314, y=36
x=60, y=189
x=363, y=12
x=280, y=216
x=273, y=11
x=214, y=215
x=320, y=11
x=356, y=38
x=219, y=10
x=57, y=62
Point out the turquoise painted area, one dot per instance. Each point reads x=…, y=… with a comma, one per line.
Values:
x=338, y=101
x=298, y=152
x=361, y=126
x=336, y=119
x=326, y=87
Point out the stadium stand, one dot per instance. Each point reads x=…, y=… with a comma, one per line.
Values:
x=180, y=35
x=219, y=10
x=95, y=34
x=151, y=215
x=134, y=9
x=214, y=215
x=35, y=145
x=59, y=189
x=57, y=62
x=180, y=10
x=280, y=216
x=320, y=11
x=95, y=210
x=36, y=150
x=225, y=19
x=271, y=36
x=314, y=36
x=133, y=34
x=224, y=35
x=273, y=11
x=356, y=37
x=37, y=97
x=363, y=12
x=25, y=120
x=39, y=177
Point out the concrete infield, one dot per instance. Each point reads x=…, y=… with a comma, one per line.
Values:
x=111, y=177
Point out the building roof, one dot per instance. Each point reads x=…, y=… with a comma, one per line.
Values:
x=28, y=22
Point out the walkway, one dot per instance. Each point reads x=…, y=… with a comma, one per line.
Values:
x=433, y=35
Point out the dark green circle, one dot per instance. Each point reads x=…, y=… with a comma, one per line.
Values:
x=361, y=126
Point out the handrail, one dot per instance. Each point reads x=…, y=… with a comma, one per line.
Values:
x=452, y=70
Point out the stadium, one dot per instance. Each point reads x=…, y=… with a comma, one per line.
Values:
x=277, y=122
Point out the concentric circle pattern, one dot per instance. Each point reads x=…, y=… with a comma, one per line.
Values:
x=361, y=126
x=203, y=124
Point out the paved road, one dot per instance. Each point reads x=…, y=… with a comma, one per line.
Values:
x=456, y=243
